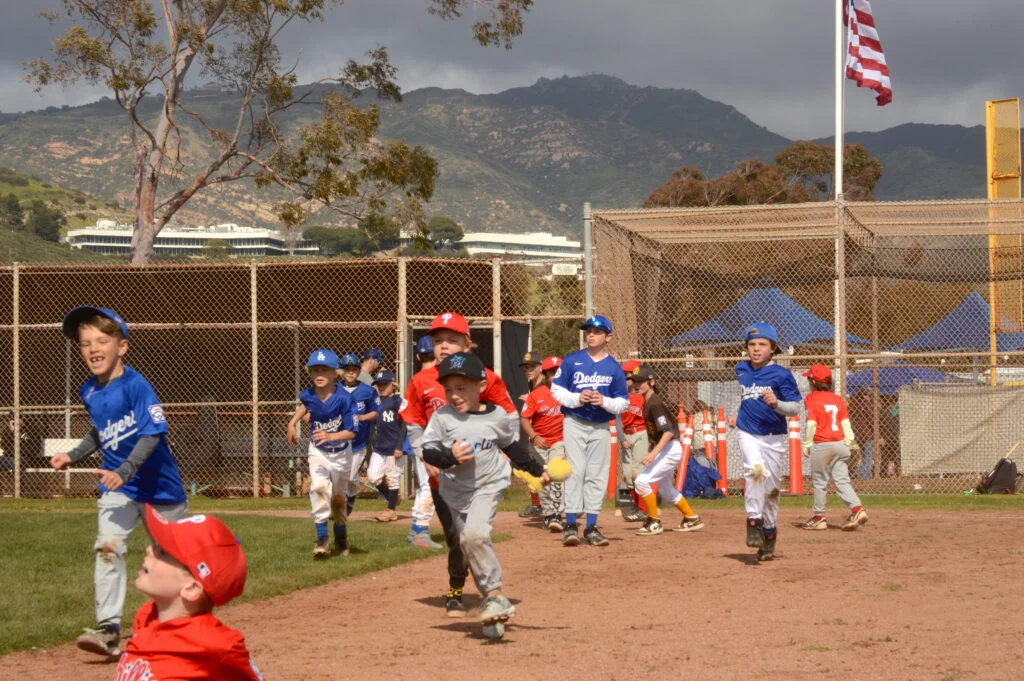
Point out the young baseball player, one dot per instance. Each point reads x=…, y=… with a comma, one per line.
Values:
x=464, y=441
x=769, y=396
x=367, y=403
x=370, y=365
x=129, y=427
x=632, y=437
x=385, y=471
x=661, y=461
x=591, y=388
x=194, y=564
x=423, y=503
x=332, y=465
x=425, y=395
x=541, y=420
x=829, y=439
x=531, y=367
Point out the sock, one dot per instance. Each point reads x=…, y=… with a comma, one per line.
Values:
x=392, y=498
x=651, y=502
x=382, y=487
x=321, y=530
x=591, y=520
x=570, y=519
x=821, y=516
x=855, y=509
x=684, y=506
x=416, y=529
x=534, y=499
x=340, y=535
x=350, y=505
x=769, y=533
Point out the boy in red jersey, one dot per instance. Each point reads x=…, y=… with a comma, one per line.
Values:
x=829, y=438
x=194, y=564
x=542, y=422
x=633, y=446
x=424, y=396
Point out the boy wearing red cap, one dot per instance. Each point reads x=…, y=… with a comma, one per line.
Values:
x=829, y=440
x=194, y=564
x=425, y=395
x=541, y=420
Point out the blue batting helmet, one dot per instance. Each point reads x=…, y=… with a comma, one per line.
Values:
x=350, y=360
x=425, y=345
x=598, y=323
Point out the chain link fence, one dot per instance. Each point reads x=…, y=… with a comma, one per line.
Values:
x=225, y=348
x=896, y=297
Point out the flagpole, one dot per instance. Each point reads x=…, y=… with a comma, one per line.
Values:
x=840, y=75
x=837, y=188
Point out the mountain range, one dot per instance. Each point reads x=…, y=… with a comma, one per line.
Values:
x=525, y=159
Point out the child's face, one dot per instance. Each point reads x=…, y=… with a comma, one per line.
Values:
x=759, y=350
x=321, y=376
x=633, y=386
x=103, y=353
x=350, y=374
x=447, y=343
x=644, y=388
x=385, y=389
x=532, y=371
x=162, y=578
x=595, y=339
x=463, y=393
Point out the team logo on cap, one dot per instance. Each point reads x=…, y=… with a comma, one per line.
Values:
x=446, y=317
x=321, y=356
x=527, y=357
x=457, y=361
x=204, y=570
x=754, y=330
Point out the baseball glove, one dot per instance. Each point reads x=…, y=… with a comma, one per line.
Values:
x=855, y=457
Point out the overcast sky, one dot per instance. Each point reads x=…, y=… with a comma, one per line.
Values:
x=771, y=59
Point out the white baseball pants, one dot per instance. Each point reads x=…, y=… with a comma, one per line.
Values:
x=383, y=466
x=767, y=451
x=663, y=472
x=331, y=476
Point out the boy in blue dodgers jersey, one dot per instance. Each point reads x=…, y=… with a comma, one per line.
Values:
x=367, y=404
x=591, y=387
x=769, y=396
x=331, y=463
x=129, y=426
x=465, y=440
x=384, y=471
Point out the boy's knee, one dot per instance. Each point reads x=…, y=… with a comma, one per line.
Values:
x=474, y=537
x=110, y=547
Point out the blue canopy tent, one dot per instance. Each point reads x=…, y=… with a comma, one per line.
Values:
x=894, y=376
x=796, y=324
x=965, y=328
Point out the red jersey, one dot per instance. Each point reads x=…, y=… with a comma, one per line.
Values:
x=425, y=395
x=633, y=417
x=545, y=413
x=829, y=411
x=199, y=647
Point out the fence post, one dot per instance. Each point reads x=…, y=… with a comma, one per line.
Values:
x=254, y=335
x=16, y=375
x=496, y=311
x=403, y=365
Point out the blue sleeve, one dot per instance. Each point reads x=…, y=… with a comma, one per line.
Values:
x=788, y=390
x=375, y=403
x=148, y=411
x=562, y=377
x=351, y=412
x=618, y=387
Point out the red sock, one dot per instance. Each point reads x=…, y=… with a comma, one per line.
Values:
x=535, y=499
x=855, y=509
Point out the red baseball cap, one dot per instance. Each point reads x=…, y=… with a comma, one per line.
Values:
x=630, y=365
x=205, y=546
x=550, y=363
x=820, y=373
x=452, y=321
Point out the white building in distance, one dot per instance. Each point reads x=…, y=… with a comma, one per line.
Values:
x=527, y=246
x=106, y=236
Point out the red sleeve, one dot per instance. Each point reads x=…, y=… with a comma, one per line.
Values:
x=237, y=664
x=529, y=406
x=412, y=405
x=144, y=614
x=496, y=392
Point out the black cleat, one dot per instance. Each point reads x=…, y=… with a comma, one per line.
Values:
x=755, y=533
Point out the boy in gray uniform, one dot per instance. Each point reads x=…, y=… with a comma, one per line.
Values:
x=465, y=440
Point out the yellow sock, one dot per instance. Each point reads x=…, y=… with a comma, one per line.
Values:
x=684, y=506
x=651, y=502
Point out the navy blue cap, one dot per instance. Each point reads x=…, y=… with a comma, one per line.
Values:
x=323, y=358
x=350, y=359
x=373, y=353
x=79, y=314
x=425, y=345
x=462, y=364
x=598, y=323
x=384, y=377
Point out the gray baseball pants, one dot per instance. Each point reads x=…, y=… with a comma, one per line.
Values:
x=552, y=497
x=473, y=523
x=588, y=448
x=830, y=459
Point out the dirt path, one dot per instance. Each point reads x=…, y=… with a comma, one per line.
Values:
x=912, y=595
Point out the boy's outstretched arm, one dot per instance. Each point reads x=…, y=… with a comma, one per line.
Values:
x=293, y=434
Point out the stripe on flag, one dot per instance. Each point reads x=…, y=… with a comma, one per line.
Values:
x=865, y=60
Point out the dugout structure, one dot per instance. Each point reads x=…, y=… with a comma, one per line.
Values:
x=933, y=414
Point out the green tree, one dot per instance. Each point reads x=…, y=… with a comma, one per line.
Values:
x=45, y=221
x=141, y=48
x=218, y=248
x=12, y=215
x=444, y=232
x=336, y=241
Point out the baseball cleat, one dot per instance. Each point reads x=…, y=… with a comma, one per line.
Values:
x=555, y=524
x=530, y=511
x=494, y=632
x=815, y=523
x=634, y=515
x=651, y=527
x=388, y=515
x=689, y=525
x=422, y=540
x=322, y=548
x=593, y=536
x=755, y=533
x=767, y=552
x=496, y=609
x=103, y=640
x=453, y=606
x=571, y=536
x=855, y=520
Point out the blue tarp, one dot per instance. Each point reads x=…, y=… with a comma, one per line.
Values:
x=796, y=324
x=966, y=328
x=891, y=378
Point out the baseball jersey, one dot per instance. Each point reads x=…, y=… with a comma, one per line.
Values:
x=122, y=411
x=659, y=419
x=579, y=372
x=390, y=433
x=366, y=400
x=425, y=395
x=633, y=417
x=545, y=413
x=828, y=411
x=198, y=647
x=336, y=413
x=756, y=417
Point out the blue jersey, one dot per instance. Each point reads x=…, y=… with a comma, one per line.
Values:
x=124, y=410
x=756, y=417
x=332, y=415
x=579, y=372
x=389, y=426
x=366, y=400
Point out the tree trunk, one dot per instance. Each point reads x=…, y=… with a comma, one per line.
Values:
x=146, y=227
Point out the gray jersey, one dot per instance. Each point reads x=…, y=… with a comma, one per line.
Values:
x=488, y=431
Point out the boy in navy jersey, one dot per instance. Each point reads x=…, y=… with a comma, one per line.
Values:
x=385, y=471
x=769, y=396
x=591, y=387
x=332, y=466
x=367, y=404
x=129, y=426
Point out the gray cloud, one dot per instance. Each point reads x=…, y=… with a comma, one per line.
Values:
x=771, y=60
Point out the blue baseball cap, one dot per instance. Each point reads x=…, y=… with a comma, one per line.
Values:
x=425, y=345
x=598, y=323
x=323, y=358
x=761, y=330
x=350, y=359
x=373, y=353
x=384, y=377
x=69, y=327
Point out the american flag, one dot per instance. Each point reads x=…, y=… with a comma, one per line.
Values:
x=865, y=61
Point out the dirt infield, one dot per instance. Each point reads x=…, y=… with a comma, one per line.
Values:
x=912, y=595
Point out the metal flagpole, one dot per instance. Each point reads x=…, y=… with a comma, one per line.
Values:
x=837, y=188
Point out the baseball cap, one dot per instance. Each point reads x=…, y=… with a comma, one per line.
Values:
x=461, y=364
x=598, y=323
x=384, y=377
x=350, y=359
x=820, y=373
x=530, y=358
x=452, y=321
x=69, y=327
x=630, y=365
x=642, y=374
x=425, y=345
x=373, y=353
x=323, y=358
x=550, y=363
x=205, y=546
x=761, y=330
